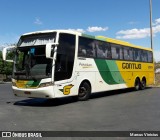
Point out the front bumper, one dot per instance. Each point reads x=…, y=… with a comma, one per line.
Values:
x=44, y=92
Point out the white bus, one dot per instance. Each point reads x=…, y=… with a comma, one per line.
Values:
x=60, y=63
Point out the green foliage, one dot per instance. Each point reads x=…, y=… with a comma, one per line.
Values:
x=6, y=67
x=1, y=63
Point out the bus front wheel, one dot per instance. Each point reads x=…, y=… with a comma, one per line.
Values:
x=84, y=91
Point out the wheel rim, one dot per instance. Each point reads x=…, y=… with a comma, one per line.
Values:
x=143, y=84
x=137, y=85
x=82, y=91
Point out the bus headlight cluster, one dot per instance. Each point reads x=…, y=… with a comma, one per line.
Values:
x=14, y=84
x=46, y=84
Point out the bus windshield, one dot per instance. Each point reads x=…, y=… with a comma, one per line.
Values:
x=31, y=63
x=30, y=58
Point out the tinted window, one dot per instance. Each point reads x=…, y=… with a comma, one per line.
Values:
x=128, y=53
x=65, y=57
x=137, y=54
x=117, y=52
x=86, y=47
x=144, y=56
x=93, y=48
x=103, y=50
x=150, y=56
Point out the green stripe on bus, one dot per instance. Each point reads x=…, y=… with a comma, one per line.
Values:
x=88, y=36
x=109, y=71
x=33, y=83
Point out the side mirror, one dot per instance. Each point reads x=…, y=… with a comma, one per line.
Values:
x=50, y=49
x=5, y=51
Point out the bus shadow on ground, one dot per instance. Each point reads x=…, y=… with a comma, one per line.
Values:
x=112, y=93
x=38, y=102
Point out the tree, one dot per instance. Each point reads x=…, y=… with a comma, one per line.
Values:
x=6, y=67
x=1, y=64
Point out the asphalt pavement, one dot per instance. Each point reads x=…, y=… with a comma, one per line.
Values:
x=121, y=110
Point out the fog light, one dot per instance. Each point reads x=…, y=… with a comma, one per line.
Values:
x=14, y=84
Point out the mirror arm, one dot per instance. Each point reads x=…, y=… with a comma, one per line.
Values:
x=49, y=49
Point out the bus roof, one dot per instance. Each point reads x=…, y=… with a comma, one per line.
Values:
x=111, y=40
x=103, y=38
x=51, y=31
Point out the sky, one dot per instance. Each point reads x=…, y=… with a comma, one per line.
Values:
x=126, y=20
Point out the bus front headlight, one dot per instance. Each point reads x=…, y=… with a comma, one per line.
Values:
x=14, y=84
x=46, y=84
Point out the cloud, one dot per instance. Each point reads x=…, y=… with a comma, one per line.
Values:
x=132, y=22
x=156, y=55
x=133, y=33
x=156, y=29
x=139, y=33
x=97, y=29
x=38, y=21
x=157, y=21
x=91, y=29
x=78, y=30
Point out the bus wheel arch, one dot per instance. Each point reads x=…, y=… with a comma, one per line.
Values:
x=137, y=83
x=143, y=83
x=84, y=90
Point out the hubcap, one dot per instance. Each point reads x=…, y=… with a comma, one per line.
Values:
x=83, y=91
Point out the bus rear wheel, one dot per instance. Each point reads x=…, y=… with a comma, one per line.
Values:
x=137, y=84
x=84, y=91
x=143, y=84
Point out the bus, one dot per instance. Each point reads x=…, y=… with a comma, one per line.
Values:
x=61, y=63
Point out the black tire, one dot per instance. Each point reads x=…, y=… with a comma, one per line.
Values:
x=84, y=91
x=137, y=84
x=143, y=84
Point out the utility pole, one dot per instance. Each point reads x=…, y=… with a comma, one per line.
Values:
x=151, y=34
x=151, y=31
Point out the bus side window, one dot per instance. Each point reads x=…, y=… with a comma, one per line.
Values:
x=109, y=54
x=136, y=55
x=105, y=50
x=126, y=54
x=86, y=47
x=115, y=53
x=150, y=56
x=82, y=51
x=100, y=53
x=144, y=56
x=90, y=50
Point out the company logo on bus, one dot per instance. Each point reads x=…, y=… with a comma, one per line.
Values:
x=85, y=65
x=66, y=89
x=131, y=66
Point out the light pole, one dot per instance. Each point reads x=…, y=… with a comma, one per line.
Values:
x=151, y=34
x=151, y=31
